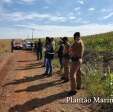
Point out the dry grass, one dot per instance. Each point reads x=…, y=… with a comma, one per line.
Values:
x=5, y=46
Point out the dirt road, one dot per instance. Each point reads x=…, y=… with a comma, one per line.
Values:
x=25, y=89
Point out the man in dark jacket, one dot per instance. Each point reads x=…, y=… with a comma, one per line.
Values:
x=39, y=49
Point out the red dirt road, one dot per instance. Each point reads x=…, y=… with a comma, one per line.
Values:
x=25, y=89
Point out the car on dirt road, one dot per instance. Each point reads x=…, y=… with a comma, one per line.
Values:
x=28, y=45
x=17, y=44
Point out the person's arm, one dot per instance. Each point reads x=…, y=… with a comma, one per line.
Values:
x=81, y=49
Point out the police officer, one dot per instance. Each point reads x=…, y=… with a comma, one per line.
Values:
x=76, y=53
x=66, y=59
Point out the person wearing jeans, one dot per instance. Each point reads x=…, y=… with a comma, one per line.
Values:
x=49, y=57
x=49, y=67
x=44, y=65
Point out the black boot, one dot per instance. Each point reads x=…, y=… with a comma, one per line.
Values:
x=45, y=74
x=72, y=93
x=50, y=74
x=66, y=80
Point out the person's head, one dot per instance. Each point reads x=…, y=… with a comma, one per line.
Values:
x=39, y=40
x=65, y=39
x=77, y=36
x=49, y=40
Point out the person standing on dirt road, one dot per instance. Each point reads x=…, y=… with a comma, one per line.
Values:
x=66, y=57
x=60, y=55
x=39, y=46
x=76, y=54
x=44, y=49
x=12, y=45
x=49, y=57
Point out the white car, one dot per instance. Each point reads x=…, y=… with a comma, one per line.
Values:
x=17, y=45
x=28, y=45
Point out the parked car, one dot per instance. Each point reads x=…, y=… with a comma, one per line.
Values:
x=17, y=44
x=28, y=45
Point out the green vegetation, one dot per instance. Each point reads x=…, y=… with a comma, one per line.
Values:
x=97, y=79
x=100, y=42
x=98, y=84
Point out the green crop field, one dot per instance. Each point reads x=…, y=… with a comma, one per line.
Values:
x=100, y=42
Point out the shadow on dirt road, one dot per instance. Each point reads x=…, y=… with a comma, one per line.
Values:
x=26, y=79
x=40, y=87
x=37, y=102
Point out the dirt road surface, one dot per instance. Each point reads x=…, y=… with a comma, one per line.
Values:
x=25, y=89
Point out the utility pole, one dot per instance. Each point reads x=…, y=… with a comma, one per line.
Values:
x=32, y=35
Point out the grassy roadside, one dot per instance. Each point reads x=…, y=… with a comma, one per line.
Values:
x=100, y=42
x=4, y=46
x=97, y=66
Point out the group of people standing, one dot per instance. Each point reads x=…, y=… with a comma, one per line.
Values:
x=70, y=59
x=38, y=49
x=49, y=51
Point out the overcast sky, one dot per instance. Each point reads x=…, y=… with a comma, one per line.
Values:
x=54, y=17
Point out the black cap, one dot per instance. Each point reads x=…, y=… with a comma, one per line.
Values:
x=77, y=34
x=65, y=38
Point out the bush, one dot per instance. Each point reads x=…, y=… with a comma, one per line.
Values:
x=98, y=84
